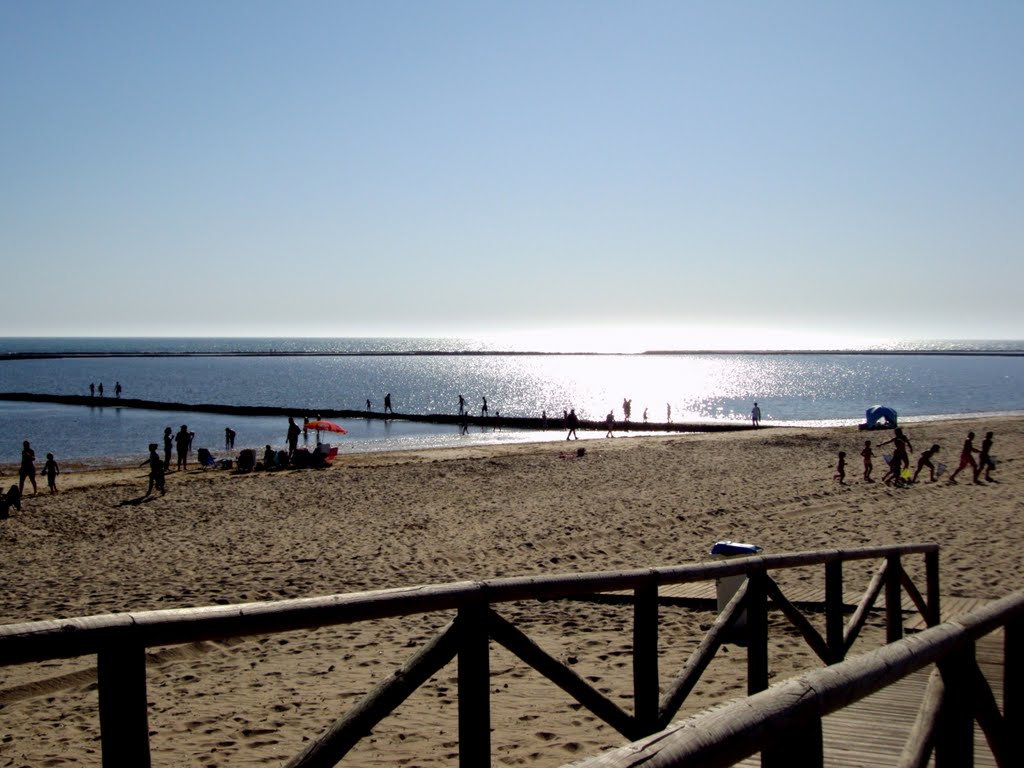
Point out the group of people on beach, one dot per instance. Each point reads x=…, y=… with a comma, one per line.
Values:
x=27, y=472
x=898, y=472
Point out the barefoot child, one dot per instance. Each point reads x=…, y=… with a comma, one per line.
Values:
x=926, y=461
x=985, y=463
x=51, y=470
x=867, y=454
x=156, y=470
x=966, y=457
x=841, y=468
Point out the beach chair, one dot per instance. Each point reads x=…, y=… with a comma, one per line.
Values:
x=205, y=458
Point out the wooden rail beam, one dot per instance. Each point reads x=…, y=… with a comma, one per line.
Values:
x=860, y=615
x=345, y=733
x=798, y=620
x=510, y=637
x=701, y=657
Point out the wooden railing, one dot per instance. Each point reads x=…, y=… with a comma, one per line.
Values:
x=784, y=723
x=120, y=642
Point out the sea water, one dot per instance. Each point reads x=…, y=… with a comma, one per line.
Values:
x=426, y=376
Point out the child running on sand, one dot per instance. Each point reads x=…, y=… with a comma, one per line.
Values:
x=867, y=454
x=985, y=463
x=841, y=468
x=926, y=461
x=156, y=470
x=966, y=457
x=51, y=470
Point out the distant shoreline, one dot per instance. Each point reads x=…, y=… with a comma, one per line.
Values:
x=12, y=356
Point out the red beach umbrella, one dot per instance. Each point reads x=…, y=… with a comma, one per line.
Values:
x=322, y=425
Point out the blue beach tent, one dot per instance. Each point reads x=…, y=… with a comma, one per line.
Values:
x=879, y=413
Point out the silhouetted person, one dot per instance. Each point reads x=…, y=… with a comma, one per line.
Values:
x=867, y=454
x=293, y=437
x=462, y=405
x=156, y=470
x=229, y=437
x=966, y=457
x=926, y=461
x=100, y=389
x=51, y=470
x=755, y=415
x=92, y=390
x=609, y=421
x=117, y=390
x=168, y=443
x=572, y=421
x=182, y=440
x=483, y=408
x=841, y=468
x=985, y=463
x=28, y=468
x=387, y=404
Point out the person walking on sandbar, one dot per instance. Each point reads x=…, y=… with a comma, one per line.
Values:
x=572, y=421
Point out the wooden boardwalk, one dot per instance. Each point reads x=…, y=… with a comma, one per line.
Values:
x=872, y=732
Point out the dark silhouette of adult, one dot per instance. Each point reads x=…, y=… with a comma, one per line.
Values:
x=387, y=403
x=117, y=390
x=28, y=468
x=100, y=389
x=168, y=444
x=182, y=440
x=483, y=408
x=92, y=390
x=572, y=421
x=229, y=437
x=462, y=405
x=293, y=437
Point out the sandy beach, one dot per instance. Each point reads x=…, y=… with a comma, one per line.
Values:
x=383, y=520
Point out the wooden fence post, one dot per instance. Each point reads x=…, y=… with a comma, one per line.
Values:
x=893, y=599
x=645, y=656
x=834, y=610
x=124, y=723
x=1013, y=676
x=757, y=632
x=954, y=734
x=931, y=564
x=474, y=687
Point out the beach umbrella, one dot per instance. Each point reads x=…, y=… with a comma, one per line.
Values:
x=322, y=425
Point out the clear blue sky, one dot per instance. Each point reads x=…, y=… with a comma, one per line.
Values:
x=423, y=168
